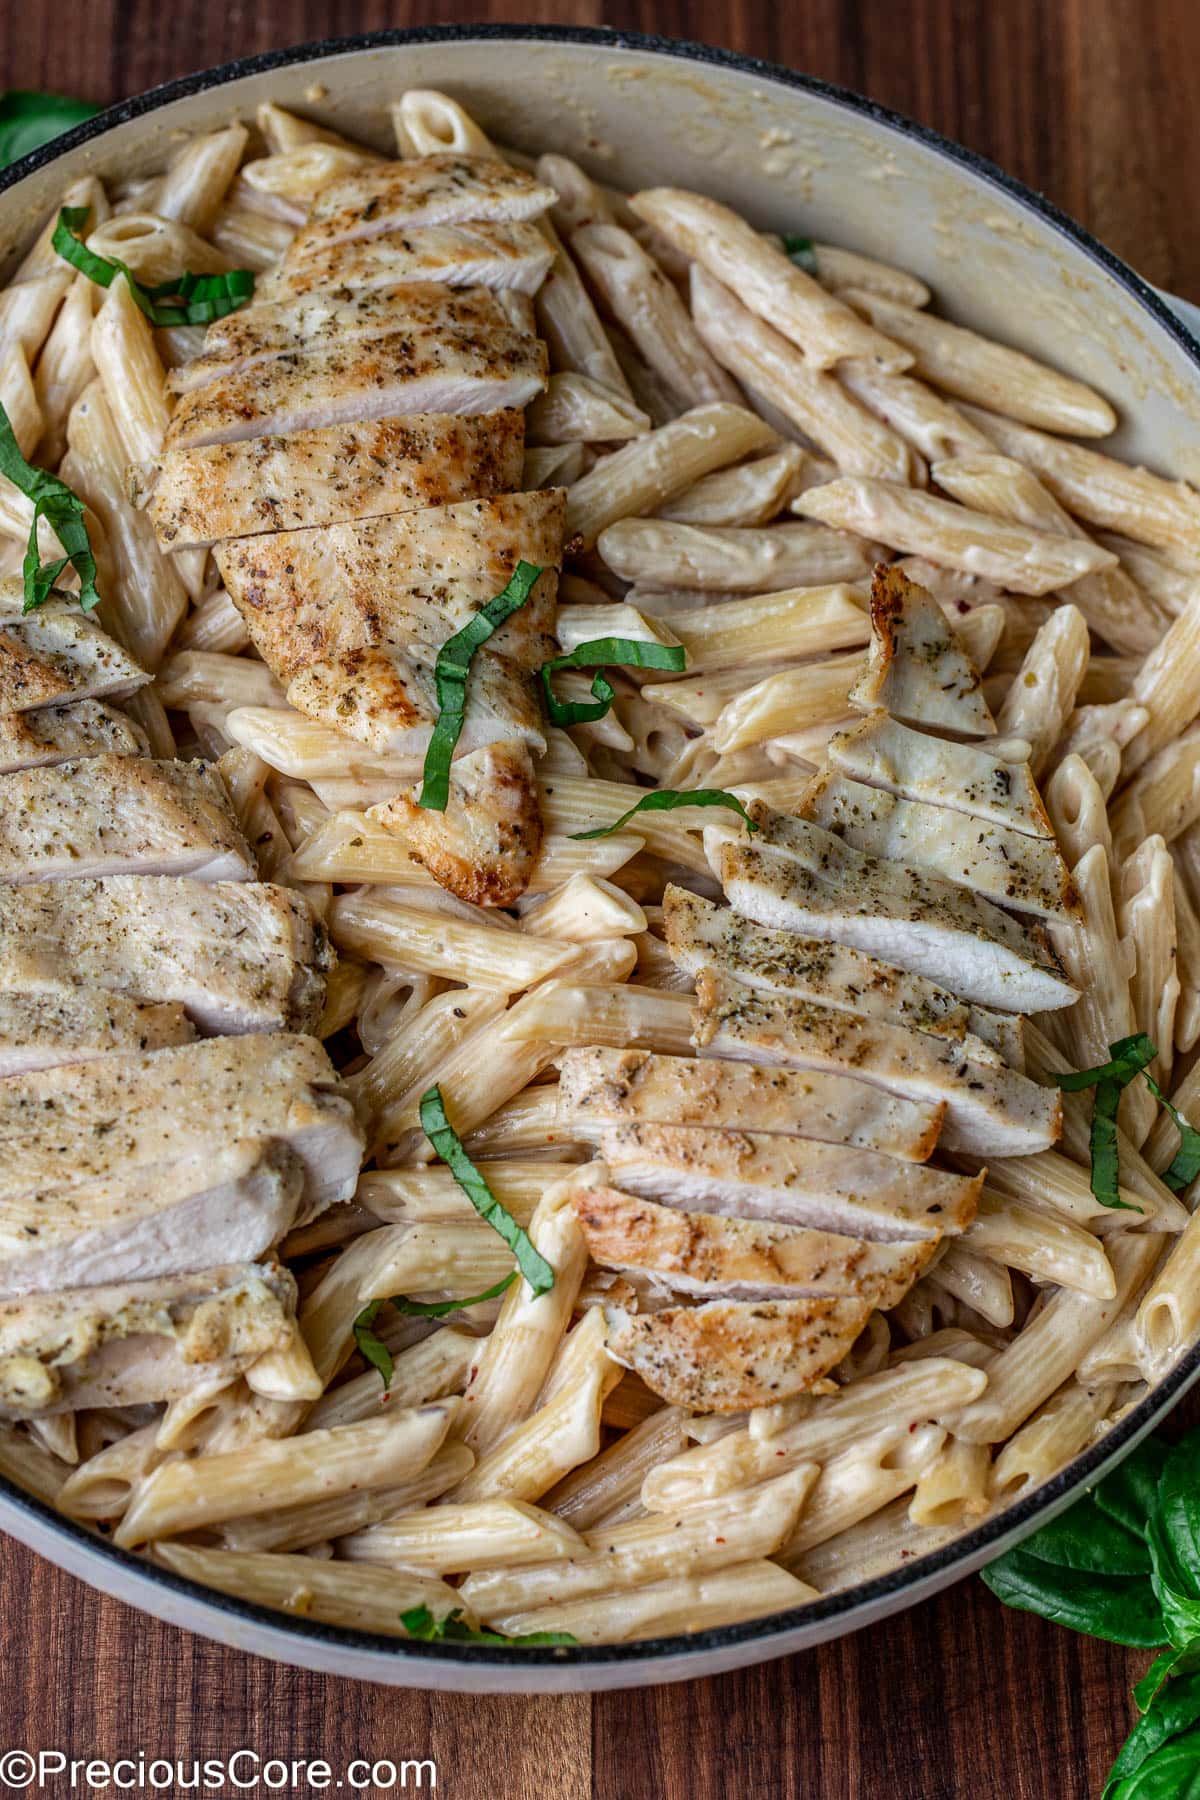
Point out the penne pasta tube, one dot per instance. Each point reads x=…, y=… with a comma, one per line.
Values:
x=382, y=929
x=1043, y=692
x=1187, y=966
x=580, y=200
x=1162, y=800
x=1098, y=735
x=100, y=1487
x=215, y=625
x=154, y=248
x=321, y=1521
x=329, y=1309
x=582, y=910
x=350, y=847
x=860, y=1482
x=983, y=1285
x=840, y=269
x=295, y=177
x=31, y=1466
x=639, y=477
x=1169, y=1314
x=1146, y=918
x=1052, y=1346
x=1058, y=1431
x=1075, y=802
x=795, y=699
x=184, y=1496
x=688, y=1603
x=192, y=675
x=1042, y=1246
x=876, y=1545
x=199, y=176
x=750, y=494
x=953, y=1489
x=736, y=1528
x=556, y=465
x=1098, y=489
x=578, y=409
x=246, y=236
x=1168, y=685
x=429, y=1370
x=413, y=1057
x=333, y=1593
x=661, y=553
x=648, y=307
x=286, y=1374
x=808, y=397
x=131, y=374
x=1167, y=584
x=770, y=284
x=453, y=1260
x=798, y=622
x=932, y=424
x=1024, y=560
x=608, y=1489
x=990, y=374
x=561, y=1013
x=524, y=1124
x=19, y=400
x=453, y=1539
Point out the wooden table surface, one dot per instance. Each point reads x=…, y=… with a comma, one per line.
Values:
x=1091, y=101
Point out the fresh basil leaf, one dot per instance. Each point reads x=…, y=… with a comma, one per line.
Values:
x=445, y=1140
x=29, y=120
x=1172, y=1662
x=1174, y=1541
x=450, y=673
x=1176, y=1708
x=54, y=502
x=371, y=1346
x=1117, y=1608
x=1105, y=1151
x=1129, y=1056
x=438, y=1309
x=802, y=252
x=420, y=1623
x=629, y=653
x=1089, y=1541
x=1171, y=1772
x=1130, y=1494
x=666, y=800
x=185, y=299
x=1186, y=1166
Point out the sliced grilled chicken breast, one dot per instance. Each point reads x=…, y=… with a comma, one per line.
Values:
x=993, y=861
x=238, y=955
x=74, y=1126
x=414, y=577
x=234, y=1201
x=760, y=1175
x=484, y=846
x=56, y=734
x=731, y=1354
x=328, y=474
x=421, y=370
x=803, y=878
x=41, y=1030
x=598, y=1087
x=111, y=815
x=507, y=258
x=138, y=1342
x=708, y=1255
x=964, y=777
x=916, y=667
x=448, y=189
x=703, y=936
x=990, y=1109
x=310, y=324
x=58, y=653
x=386, y=697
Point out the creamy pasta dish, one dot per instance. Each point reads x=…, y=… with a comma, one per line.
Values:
x=600, y=962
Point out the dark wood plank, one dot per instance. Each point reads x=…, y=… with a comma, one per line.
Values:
x=1090, y=102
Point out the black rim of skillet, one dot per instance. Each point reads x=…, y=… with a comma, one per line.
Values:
x=1084, y=1470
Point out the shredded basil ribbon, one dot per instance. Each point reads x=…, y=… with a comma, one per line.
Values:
x=1129, y=1057
x=198, y=299
x=420, y=1623
x=54, y=502
x=802, y=252
x=450, y=673
x=445, y=1140
x=372, y=1345
x=666, y=800
x=629, y=653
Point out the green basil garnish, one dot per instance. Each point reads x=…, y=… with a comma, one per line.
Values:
x=666, y=800
x=420, y=1623
x=182, y=300
x=450, y=673
x=445, y=1140
x=629, y=653
x=373, y=1347
x=53, y=501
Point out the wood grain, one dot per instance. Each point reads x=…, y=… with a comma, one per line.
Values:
x=1090, y=101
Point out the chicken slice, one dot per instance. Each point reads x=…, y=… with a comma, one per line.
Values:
x=109, y=815
x=916, y=667
x=484, y=846
x=599, y=1086
x=802, y=878
x=707, y=1255
x=964, y=777
x=422, y=370
x=728, y=1355
x=990, y=1109
x=386, y=698
x=238, y=955
x=41, y=1030
x=755, y=1175
x=446, y=189
x=403, y=577
x=511, y=258
x=311, y=324
x=992, y=861
x=232, y=1201
x=56, y=734
x=58, y=653
x=139, y=1342
x=701, y=935
x=328, y=474
x=72, y=1127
